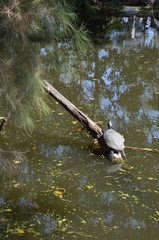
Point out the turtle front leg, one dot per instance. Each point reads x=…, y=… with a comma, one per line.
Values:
x=111, y=156
x=114, y=155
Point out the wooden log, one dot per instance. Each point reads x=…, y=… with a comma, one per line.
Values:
x=93, y=128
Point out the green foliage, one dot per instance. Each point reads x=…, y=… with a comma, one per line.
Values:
x=25, y=27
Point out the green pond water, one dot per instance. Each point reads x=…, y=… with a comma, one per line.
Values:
x=65, y=191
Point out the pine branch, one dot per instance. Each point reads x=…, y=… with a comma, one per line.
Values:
x=6, y=118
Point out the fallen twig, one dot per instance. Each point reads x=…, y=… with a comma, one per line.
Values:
x=143, y=149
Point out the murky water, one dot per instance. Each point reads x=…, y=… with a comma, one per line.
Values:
x=65, y=191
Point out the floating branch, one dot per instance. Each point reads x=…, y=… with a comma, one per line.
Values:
x=143, y=149
x=95, y=147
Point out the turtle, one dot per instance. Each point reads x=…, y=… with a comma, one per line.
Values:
x=114, y=142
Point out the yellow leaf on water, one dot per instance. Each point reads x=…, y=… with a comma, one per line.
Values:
x=89, y=186
x=139, y=178
x=57, y=192
x=20, y=231
x=16, y=161
x=33, y=148
x=74, y=122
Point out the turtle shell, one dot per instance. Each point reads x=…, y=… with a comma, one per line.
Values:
x=114, y=140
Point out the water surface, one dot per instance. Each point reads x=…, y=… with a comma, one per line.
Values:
x=65, y=191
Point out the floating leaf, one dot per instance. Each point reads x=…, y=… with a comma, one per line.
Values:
x=52, y=172
x=83, y=221
x=64, y=229
x=57, y=192
x=74, y=122
x=33, y=148
x=89, y=186
x=139, y=178
x=60, y=223
x=20, y=231
x=135, y=197
x=16, y=161
x=150, y=178
x=108, y=184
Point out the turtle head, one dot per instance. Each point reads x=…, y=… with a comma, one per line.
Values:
x=109, y=125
